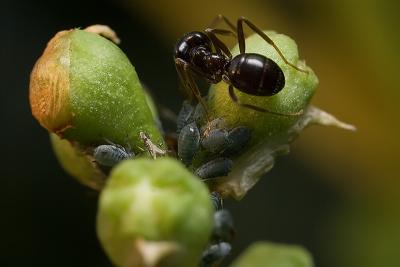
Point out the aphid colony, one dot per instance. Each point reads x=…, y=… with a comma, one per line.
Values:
x=219, y=143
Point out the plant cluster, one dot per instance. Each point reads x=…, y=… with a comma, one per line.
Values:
x=161, y=198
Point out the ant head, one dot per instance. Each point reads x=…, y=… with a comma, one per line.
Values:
x=189, y=41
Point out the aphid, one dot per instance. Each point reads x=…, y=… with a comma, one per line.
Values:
x=215, y=168
x=198, y=113
x=227, y=143
x=215, y=253
x=188, y=114
x=215, y=140
x=238, y=138
x=250, y=73
x=216, y=200
x=188, y=143
x=223, y=226
x=151, y=147
x=110, y=155
x=184, y=116
x=217, y=123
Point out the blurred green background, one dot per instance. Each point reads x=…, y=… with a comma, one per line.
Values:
x=337, y=193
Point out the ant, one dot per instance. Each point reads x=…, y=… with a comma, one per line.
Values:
x=203, y=54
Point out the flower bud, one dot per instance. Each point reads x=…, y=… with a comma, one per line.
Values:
x=84, y=89
x=271, y=134
x=294, y=97
x=154, y=213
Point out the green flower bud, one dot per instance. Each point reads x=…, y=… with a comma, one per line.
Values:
x=84, y=89
x=154, y=213
x=78, y=163
x=271, y=134
x=294, y=97
x=264, y=254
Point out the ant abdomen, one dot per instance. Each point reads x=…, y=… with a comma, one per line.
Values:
x=256, y=74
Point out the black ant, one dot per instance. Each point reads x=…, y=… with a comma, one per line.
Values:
x=205, y=55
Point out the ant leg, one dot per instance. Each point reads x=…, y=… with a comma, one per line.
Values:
x=196, y=91
x=237, y=102
x=219, y=18
x=184, y=80
x=179, y=64
x=190, y=83
x=242, y=45
x=218, y=44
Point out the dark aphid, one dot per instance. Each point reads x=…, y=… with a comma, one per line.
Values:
x=188, y=143
x=184, y=116
x=216, y=200
x=223, y=226
x=215, y=253
x=189, y=114
x=215, y=168
x=110, y=155
x=198, y=113
x=237, y=140
x=215, y=140
x=203, y=54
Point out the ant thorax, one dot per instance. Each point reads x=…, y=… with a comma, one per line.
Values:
x=208, y=64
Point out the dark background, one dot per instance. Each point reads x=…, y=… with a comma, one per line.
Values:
x=48, y=219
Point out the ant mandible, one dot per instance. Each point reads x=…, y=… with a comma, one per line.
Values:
x=250, y=73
